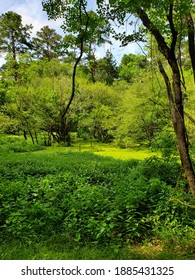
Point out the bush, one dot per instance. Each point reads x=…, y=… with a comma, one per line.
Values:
x=168, y=172
x=166, y=142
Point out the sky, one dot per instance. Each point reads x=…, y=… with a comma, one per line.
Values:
x=32, y=13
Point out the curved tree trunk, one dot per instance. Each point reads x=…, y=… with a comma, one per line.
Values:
x=174, y=91
x=82, y=38
x=180, y=129
x=177, y=114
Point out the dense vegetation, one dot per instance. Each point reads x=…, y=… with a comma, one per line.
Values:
x=84, y=200
x=54, y=189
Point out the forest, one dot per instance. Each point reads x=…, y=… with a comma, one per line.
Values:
x=97, y=157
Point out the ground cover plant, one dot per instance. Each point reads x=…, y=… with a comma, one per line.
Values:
x=63, y=204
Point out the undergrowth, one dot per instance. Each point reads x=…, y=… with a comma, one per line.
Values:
x=90, y=201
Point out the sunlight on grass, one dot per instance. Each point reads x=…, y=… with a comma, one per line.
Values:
x=125, y=154
x=17, y=144
x=104, y=150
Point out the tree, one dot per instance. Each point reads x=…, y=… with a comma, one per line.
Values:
x=47, y=43
x=33, y=104
x=164, y=20
x=142, y=111
x=95, y=109
x=100, y=37
x=77, y=21
x=14, y=36
x=106, y=69
x=132, y=66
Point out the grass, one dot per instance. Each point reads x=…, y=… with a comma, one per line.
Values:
x=17, y=144
x=106, y=150
x=57, y=249
x=84, y=202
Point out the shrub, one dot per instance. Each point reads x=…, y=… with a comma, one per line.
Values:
x=15, y=144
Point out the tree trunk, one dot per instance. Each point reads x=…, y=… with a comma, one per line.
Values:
x=180, y=128
x=174, y=93
x=177, y=113
x=63, y=133
x=36, y=137
x=25, y=134
x=181, y=134
x=31, y=136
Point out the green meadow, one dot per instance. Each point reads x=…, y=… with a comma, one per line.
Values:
x=92, y=201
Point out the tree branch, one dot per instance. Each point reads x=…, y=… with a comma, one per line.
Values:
x=190, y=117
x=173, y=30
x=167, y=82
x=162, y=46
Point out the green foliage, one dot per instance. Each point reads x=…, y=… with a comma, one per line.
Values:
x=46, y=44
x=14, y=37
x=142, y=111
x=166, y=143
x=105, y=69
x=92, y=199
x=84, y=25
x=34, y=93
x=15, y=144
x=132, y=67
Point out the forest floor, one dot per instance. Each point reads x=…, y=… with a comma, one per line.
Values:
x=96, y=186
